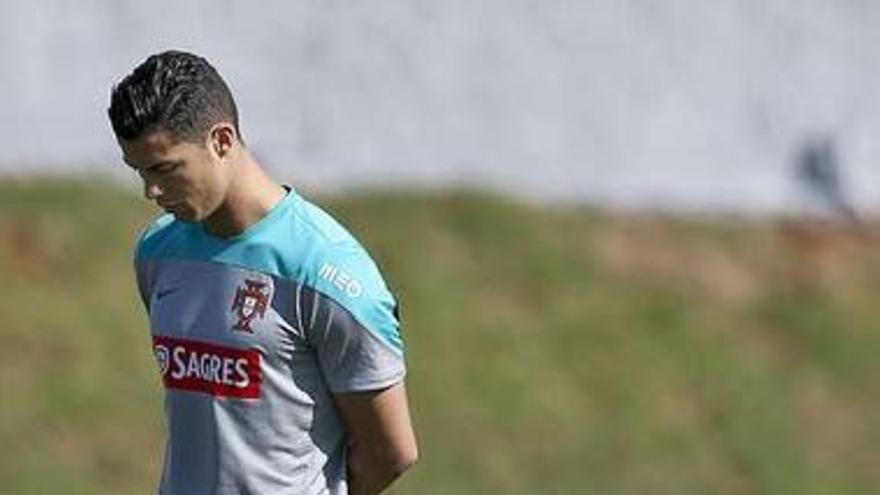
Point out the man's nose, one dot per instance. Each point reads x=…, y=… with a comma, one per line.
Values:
x=152, y=190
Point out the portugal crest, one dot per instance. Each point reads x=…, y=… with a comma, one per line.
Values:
x=250, y=302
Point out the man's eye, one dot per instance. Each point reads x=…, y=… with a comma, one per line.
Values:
x=167, y=168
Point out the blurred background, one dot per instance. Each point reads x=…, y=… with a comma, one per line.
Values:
x=635, y=243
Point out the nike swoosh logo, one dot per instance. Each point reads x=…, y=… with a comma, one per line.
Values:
x=163, y=293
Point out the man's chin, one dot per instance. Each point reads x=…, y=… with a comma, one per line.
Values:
x=186, y=216
x=183, y=214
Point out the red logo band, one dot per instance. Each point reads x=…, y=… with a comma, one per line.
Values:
x=208, y=368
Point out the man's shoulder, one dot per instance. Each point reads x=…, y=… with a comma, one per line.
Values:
x=155, y=235
x=342, y=270
x=339, y=265
x=320, y=227
x=333, y=248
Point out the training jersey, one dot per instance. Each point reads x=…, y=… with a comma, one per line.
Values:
x=253, y=334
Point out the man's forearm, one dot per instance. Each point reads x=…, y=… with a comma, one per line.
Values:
x=369, y=473
x=381, y=442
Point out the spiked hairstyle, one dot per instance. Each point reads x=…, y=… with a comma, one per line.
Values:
x=172, y=91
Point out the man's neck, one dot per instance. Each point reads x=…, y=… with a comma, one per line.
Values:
x=251, y=195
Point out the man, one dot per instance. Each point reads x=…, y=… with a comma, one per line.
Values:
x=276, y=337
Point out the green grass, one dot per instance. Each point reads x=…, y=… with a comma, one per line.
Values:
x=550, y=351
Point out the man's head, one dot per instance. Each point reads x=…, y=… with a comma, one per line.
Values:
x=173, y=91
x=176, y=122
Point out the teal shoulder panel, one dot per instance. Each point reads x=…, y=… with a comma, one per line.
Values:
x=348, y=276
x=156, y=235
x=297, y=241
x=345, y=272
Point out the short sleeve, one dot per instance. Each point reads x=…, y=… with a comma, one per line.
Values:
x=353, y=325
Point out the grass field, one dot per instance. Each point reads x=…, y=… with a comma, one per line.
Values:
x=550, y=351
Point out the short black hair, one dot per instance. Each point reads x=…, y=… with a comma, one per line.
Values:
x=173, y=91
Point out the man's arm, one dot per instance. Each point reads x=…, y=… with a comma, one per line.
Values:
x=381, y=442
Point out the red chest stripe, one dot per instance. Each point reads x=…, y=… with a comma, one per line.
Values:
x=209, y=368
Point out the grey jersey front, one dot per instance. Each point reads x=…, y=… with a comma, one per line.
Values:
x=253, y=335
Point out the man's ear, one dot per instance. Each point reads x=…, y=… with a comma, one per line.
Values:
x=221, y=139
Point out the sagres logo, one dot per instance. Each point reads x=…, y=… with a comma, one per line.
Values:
x=208, y=368
x=161, y=353
x=250, y=301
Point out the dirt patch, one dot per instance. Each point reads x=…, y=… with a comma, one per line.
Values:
x=648, y=249
x=823, y=252
x=29, y=251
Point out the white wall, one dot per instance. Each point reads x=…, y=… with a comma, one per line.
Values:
x=681, y=103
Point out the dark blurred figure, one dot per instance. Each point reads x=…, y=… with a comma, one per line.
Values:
x=818, y=169
x=821, y=243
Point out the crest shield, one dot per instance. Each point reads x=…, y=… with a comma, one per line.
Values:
x=250, y=302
